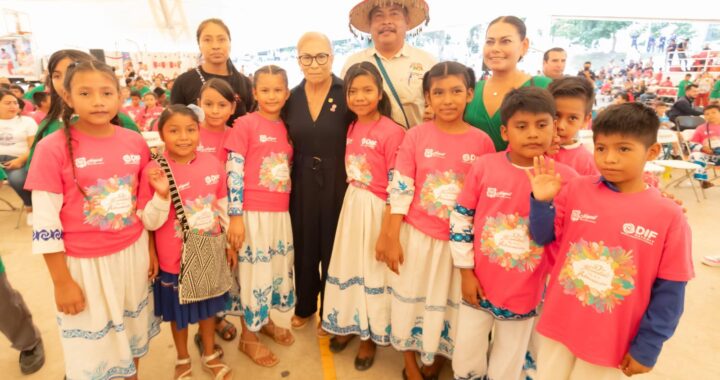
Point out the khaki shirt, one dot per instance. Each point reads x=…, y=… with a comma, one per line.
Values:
x=406, y=70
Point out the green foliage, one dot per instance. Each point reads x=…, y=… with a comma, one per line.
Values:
x=587, y=33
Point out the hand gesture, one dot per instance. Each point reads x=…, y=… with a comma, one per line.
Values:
x=472, y=292
x=630, y=366
x=543, y=179
x=159, y=182
x=153, y=266
x=706, y=150
x=69, y=298
x=232, y=257
x=394, y=255
x=236, y=232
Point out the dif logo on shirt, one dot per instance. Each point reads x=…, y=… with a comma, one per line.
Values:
x=131, y=159
x=641, y=233
x=212, y=179
x=494, y=193
x=368, y=143
x=468, y=158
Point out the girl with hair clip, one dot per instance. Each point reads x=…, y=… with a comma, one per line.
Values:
x=429, y=173
x=57, y=67
x=258, y=169
x=356, y=300
x=213, y=38
x=217, y=100
x=84, y=182
x=201, y=186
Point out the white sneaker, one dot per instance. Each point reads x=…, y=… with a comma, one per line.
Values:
x=712, y=261
x=29, y=219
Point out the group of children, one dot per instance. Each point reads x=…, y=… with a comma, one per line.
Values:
x=441, y=240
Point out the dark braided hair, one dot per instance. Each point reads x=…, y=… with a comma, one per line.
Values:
x=68, y=111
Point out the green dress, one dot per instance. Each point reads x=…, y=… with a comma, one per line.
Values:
x=715, y=93
x=477, y=115
x=125, y=122
x=681, y=88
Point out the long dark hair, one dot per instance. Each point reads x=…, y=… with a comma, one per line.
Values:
x=367, y=68
x=56, y=102
x=68, y=111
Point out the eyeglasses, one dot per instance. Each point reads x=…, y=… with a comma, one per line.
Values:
x=307, y=60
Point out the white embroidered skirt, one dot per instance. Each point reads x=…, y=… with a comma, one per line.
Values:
x=356, y=298
x=118, y=321
x=264, y=275
x=425, y=297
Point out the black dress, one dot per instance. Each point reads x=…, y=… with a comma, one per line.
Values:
x=187, y=89
x=318, y=187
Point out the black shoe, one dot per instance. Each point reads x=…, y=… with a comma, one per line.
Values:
x=32, y=360
x=363, y=364
x=337, y=346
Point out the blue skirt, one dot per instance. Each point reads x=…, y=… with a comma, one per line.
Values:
x=167, y=303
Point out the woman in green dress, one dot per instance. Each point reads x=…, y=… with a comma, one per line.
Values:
x=57, y=66
x=506, y=43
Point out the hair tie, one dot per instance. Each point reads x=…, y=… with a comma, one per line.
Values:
x=197, y=111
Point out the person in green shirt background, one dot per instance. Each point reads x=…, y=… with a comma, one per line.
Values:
x=681, y=86
x=57, y=66
x=506, y=43
x=715, y=93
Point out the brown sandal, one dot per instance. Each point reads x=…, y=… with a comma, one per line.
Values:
x=257, y=348
x=280, y=335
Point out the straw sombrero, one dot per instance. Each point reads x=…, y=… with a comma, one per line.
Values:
x=418, y=13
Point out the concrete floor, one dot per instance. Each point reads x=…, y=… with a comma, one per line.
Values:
x=693, y=353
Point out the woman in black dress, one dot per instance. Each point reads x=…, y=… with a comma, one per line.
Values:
x=317, y=118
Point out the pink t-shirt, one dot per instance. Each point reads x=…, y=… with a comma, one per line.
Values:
x=28, y=109
x=438, y=162
x=510, y=266
x=201, y=184
x=612, y=248
x=108, y=171
x=264, y=145
x=212, y=142
x=370, y=154
x=147, y=120
x=707, y=133
x=38, y=116
x=135, y=113
x=577, y=157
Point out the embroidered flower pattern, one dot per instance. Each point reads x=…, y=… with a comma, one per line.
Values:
x=506, y=241
x=110, y=204
x=440, y=191
x=358, y=169
x=275, y=172
x=599, y=276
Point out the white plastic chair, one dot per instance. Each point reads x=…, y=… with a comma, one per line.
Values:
x=666, y=136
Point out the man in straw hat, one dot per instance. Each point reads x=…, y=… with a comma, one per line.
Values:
x=402, y=65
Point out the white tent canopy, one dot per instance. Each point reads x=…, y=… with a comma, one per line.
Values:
x=130, y=25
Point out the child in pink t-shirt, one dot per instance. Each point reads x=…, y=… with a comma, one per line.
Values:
x=356, y=298
x=616, y=292
x=200, y=181
x=150, y=113
x=503, y=269
x=84, y=182
x=705, y=144
x=258, y=168
x=218, y=102
x=134, y=110
x=429, y=174
x=574, y=98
